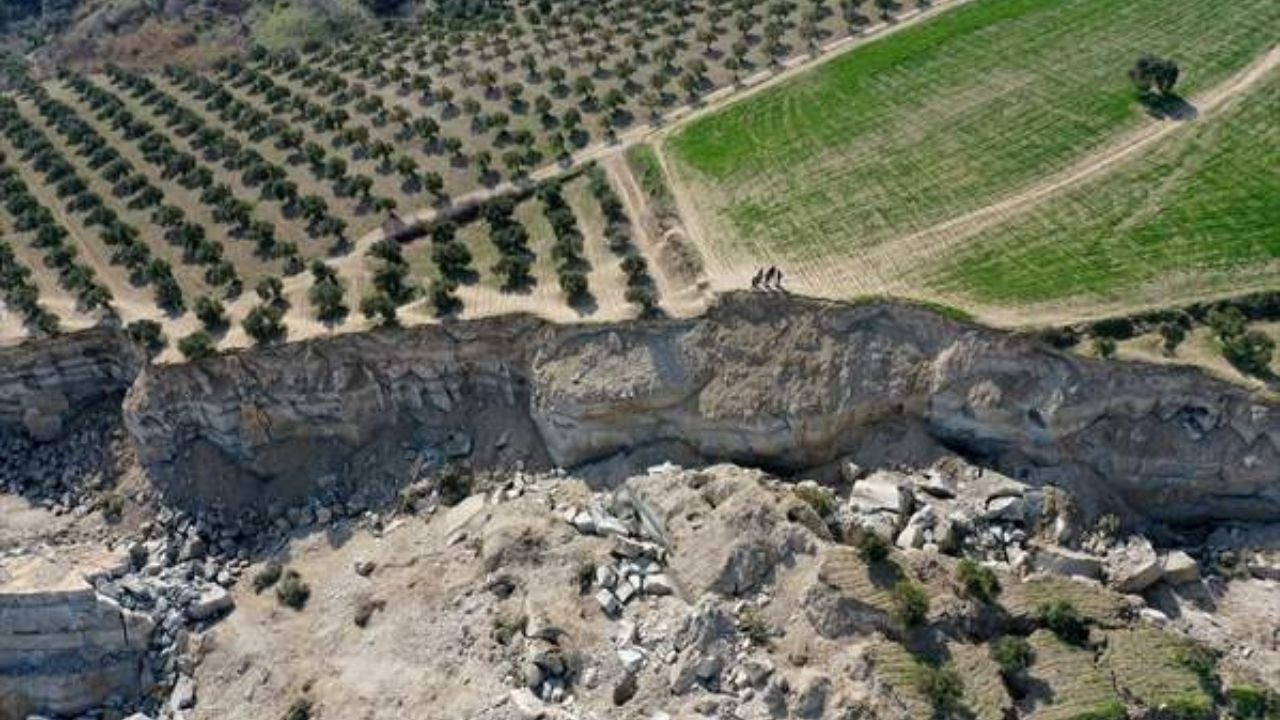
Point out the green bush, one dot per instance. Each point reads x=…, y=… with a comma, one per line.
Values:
x=1104, y=347
x=211, y=313
x=871, y=547
x=1250, y=352
x=1247, y=702
x=147, y=333
x=820, y=499
x=267, y=576
x=1114, y=328
x=197, y=345
x=910, y=603
x=1063, y=620
x=754, y=626
x=264, y=323
x=1226, y=322
x=940, y=685
x=291, y=591
x=977, y=581
x=1172, y=334
x=1013, y=654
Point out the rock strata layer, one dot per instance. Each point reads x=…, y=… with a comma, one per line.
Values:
x=779, y=382
x=63, y=648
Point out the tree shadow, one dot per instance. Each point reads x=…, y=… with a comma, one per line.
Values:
x=1168, y=107
x=584, y=304
x=884, y=573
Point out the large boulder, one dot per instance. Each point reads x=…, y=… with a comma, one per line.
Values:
x=1180, y=568
x=1063, y=561
x=1134, y=566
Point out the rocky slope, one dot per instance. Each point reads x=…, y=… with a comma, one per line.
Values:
x=787, y=384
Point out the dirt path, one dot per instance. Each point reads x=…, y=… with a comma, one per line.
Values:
x=676, y=296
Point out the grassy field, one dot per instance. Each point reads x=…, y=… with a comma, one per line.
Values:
x=943, y=118
x=1199, y=214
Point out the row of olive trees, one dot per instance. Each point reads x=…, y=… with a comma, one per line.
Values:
x=21, y=294
x=641, y=290
x=567, y=251
x=87, y=142
x=273, y=181
x=50, y=235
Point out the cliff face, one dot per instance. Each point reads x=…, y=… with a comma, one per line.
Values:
x=760, y=379
x=42, y=383
x=794, y=384
x=298, y=412
x=63, y=648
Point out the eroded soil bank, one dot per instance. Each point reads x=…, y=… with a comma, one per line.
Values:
x=793, y=385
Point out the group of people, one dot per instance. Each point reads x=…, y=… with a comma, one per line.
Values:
x=769, y=278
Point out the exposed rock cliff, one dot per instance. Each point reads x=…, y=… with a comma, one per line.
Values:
x=63, y=648
x=42, y=383
x=781, y=382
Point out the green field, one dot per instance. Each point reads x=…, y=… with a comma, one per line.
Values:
x=1203, y=210
x=945, y=117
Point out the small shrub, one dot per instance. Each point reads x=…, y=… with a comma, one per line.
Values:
x=1114, y=328
x=940, y=685
x=366, y=609
x=1060, y=338
x=1104, y=347
x=585, y=576
x=147, y=334
x=506, y=626
x=910, y=603
x=267, y=576
x=291, y=591
x=1226, y=322
x=820, y=499
x=1013, y=654
x=1108, y=526
x=1250, y=352
x=1247, y=702
x=871, y=547
x=455, y=485
x=1063, y=620
x=264, y=323
x=978, y=582
x=754, y=626
x=211, y=313
x=197, y=345
x=300, y=709
x=1172, y=334
x=112, y=506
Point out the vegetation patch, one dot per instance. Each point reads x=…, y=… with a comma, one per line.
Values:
x=1068, y=685
x=1162, y=671
x=1093, y=603
x=1193, y=216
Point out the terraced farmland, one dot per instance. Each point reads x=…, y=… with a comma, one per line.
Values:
x=831, y=172
x=1070, y=684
